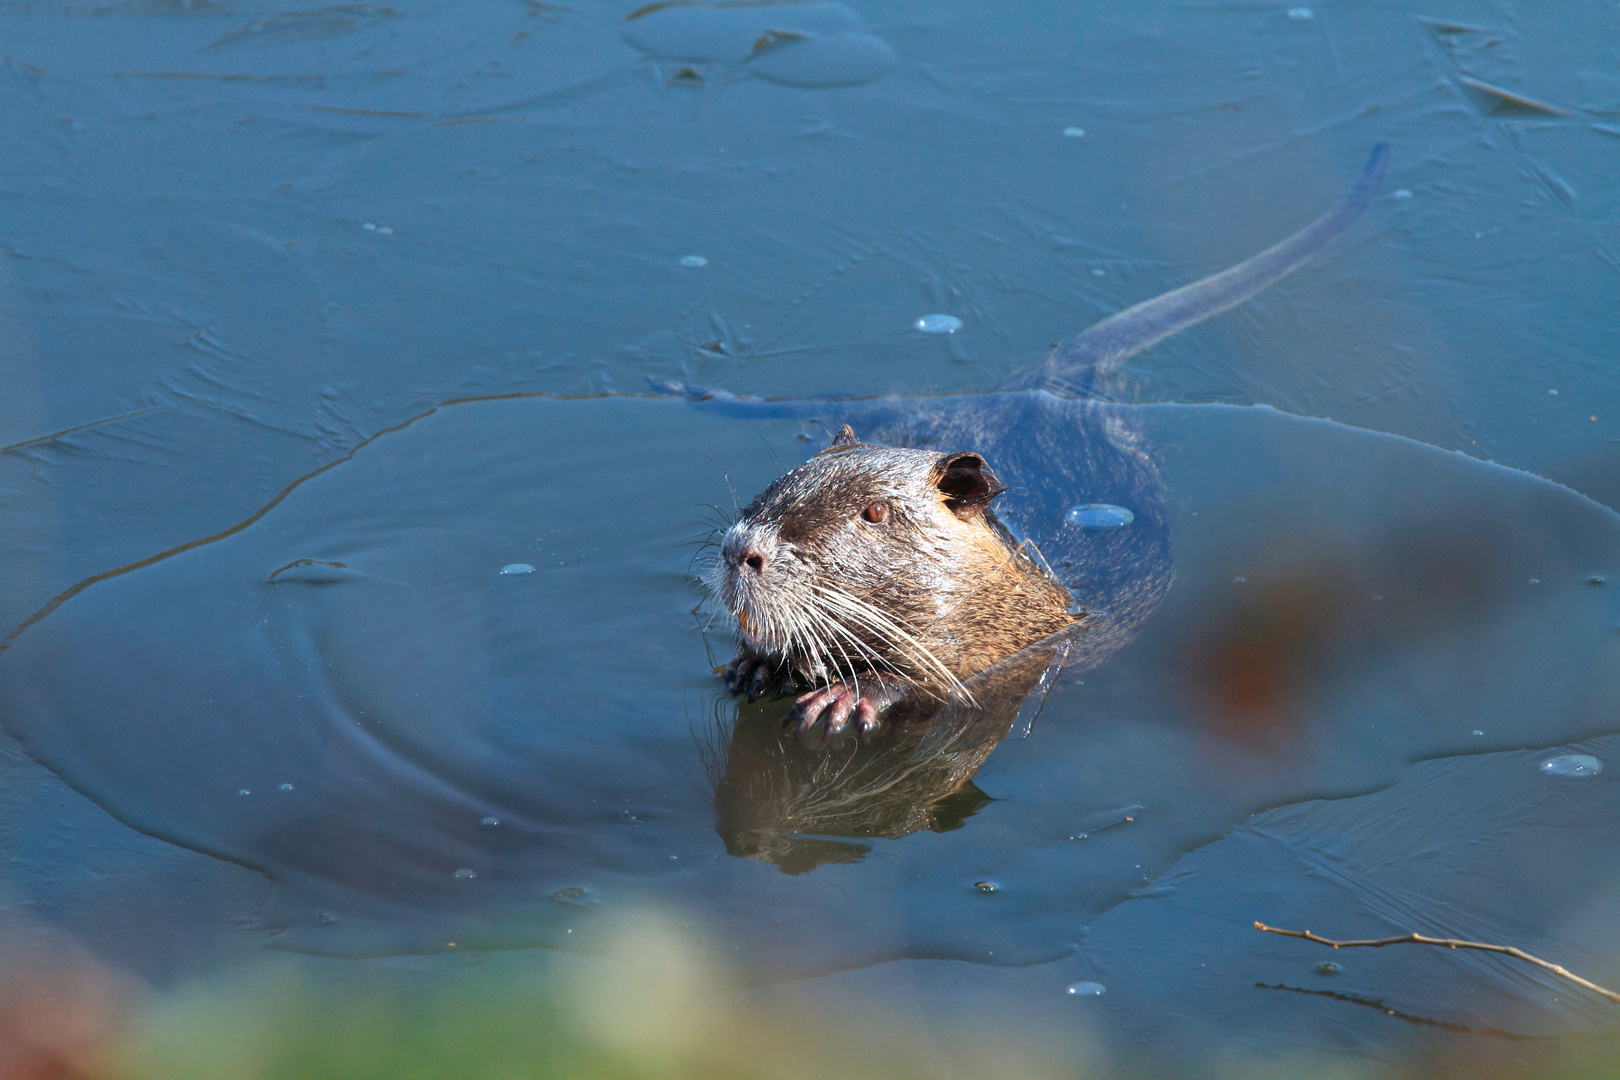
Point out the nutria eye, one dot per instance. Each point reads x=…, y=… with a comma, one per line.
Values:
x=877, y=513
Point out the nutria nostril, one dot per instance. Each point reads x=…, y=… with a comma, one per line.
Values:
x=754, y=560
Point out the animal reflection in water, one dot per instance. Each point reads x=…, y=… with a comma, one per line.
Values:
x=877, y=584
x=791, y=802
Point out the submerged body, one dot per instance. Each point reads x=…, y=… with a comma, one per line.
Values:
x=877, y=574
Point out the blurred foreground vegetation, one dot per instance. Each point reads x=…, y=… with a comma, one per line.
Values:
x=656, y=1010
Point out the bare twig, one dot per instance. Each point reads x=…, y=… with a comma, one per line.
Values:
x=1450, y=943
x=1428, y=1021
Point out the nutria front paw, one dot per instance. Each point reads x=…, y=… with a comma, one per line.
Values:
x=839, y=708
x=749, y=675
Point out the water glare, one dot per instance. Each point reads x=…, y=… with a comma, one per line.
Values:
x=938, y=324
x=1099, y=516
x=1573, y=765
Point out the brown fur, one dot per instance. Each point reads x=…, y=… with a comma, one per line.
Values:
x=941, y=567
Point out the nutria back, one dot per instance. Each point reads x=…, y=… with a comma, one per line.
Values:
x=878, y=569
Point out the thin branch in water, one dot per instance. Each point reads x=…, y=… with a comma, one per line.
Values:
x=1428, y=1021
x=1449, y=943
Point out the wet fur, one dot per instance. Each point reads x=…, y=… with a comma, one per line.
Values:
x=962, y=593
x=941, y=594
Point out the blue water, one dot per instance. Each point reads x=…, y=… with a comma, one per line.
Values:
x=349, y=554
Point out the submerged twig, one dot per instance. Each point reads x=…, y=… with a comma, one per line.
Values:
x=1450, y=943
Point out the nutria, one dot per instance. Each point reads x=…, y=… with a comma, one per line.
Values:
x=876, y=574
x=883, y=570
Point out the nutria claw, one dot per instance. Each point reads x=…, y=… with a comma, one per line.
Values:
x=840, y=706
x=748, y=674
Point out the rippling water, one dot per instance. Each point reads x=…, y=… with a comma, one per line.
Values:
x=350, y=558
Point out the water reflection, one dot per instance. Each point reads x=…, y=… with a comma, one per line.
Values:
x=416, y=692
x=1316, y=601
x=243, y=242
x=795, y=803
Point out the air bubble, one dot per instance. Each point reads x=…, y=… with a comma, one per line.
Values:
x=1301, y=13
x=1327, y=967
x=489, y=822
x=986, y=886
x=1087, y=989
x=938, y=324
x=574, y=896
x=517, y=568
x=286, y=787
x=1572, y=765
x=694, y=260
x=1099, y=516
x=465, y=874
x=1074, y=132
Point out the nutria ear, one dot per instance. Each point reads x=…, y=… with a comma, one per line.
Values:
x=844, y=440
x=967, y=484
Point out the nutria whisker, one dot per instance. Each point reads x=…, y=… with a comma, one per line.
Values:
x=848, y=672
x=893, y=635
x=802, y=639
x=833, y=623
x=876, y=658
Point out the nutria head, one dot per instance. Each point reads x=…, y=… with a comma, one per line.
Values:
x=871, y=560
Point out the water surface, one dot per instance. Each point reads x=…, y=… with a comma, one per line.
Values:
x=251, y=252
